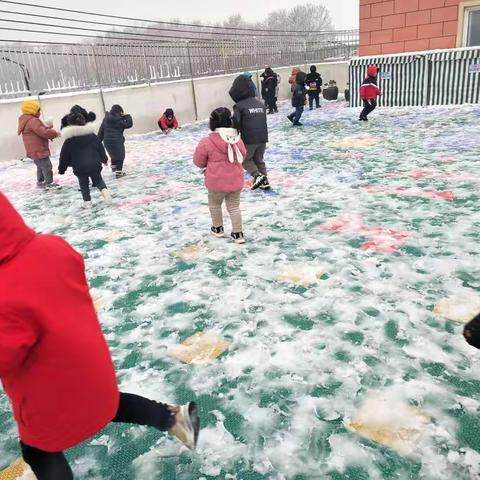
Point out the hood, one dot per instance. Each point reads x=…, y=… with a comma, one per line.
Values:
x=301, y=78
x=295, y=70
x=313, y=69
x=31, y=107
x=22, y=122
x=242, y=89
x=226, y=140
x=372, y=71
x=14, y=234
x=78, y=131
x=169, y=113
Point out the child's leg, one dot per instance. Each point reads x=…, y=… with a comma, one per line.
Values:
x=258, y=158
x=249, y=163
x=40, y=177
x=298, y=114
x=45, y=465
x=142, y=411
x=317, y=99
x=97, y=181
x=215, y=200
x=310, y=100
x=83, y=181
x=47, y=169
x=233, y=206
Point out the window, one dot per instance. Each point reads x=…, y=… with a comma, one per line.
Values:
x=472, y=27
x=469, y=25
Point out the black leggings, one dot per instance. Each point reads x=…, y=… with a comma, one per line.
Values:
x=132, y=409
x=84, y=182
x=369, y=107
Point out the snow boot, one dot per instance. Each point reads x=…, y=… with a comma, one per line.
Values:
x=238, y=237
x=265, y=185
x=106, y=196
x=258, y=180
x=187, y=425
x=119, y=174
x=217, y=232
x=298, y=124
x=290, y=117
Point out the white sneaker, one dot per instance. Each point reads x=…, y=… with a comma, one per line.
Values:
x=87, y=205
x=187, y=425
x=106, y=196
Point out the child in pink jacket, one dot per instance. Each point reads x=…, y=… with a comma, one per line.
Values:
x=221, y=154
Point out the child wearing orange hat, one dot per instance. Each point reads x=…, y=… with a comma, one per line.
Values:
x=35, y=135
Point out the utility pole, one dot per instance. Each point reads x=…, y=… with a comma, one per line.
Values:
x=193, y=82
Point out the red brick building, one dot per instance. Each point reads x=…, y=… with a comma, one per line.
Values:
x=397, y=26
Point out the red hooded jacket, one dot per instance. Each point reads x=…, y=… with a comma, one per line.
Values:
x=55, y=365
x=165, y=124
x=369, y=89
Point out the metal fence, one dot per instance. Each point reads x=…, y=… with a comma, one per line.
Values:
x=27, y=68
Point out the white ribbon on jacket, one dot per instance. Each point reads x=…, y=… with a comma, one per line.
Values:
x=231, y=137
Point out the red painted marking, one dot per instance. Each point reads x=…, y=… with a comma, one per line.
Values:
x=411, y=192
x=381, y=239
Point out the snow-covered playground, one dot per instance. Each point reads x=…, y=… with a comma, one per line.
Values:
x=340, y=318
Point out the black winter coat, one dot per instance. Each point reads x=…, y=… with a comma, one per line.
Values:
x=82, y=150
x=299, y=92
x=315, y=82
x=249, y=114
x=113, y=126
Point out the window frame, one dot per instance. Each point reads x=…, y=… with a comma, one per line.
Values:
x=464, y=9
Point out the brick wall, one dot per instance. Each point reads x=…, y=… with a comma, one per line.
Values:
x=396, y=26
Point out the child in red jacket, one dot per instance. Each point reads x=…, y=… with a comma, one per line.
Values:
x=167, y=121
x=369, y=92
x=55, y=364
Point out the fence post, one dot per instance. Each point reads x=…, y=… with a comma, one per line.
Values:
x=305, y=54
x=97, y=74
x=147, y=70
x=193, y=82
x=255, y=56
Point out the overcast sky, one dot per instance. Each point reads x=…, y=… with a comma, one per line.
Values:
x=344, y=12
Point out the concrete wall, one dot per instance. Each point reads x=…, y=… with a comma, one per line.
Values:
x=146, y=103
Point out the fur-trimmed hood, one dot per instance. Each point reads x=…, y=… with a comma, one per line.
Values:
x=78, y=131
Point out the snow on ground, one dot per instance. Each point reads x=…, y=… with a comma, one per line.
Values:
x=328, y=306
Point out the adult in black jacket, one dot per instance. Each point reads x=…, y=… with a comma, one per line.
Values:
x=314, y=83
x=298, y=99
x=111, y=134
x=83, y=151
x=89, y=116
x=250, y=119
x=269, y=89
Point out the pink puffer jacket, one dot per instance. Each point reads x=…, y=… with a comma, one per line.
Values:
x=35, y=136
x=222, y=154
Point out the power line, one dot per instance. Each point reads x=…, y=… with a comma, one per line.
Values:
x=139, y=27
x=215, y=27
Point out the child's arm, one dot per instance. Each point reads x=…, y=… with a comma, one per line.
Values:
x=127, y=121
x=64, y=161
x=175, y=123
x=101, y=132
x=237, y=118
x=42, y=131
x=200, y=157
x=17, y=338
x=102, y=152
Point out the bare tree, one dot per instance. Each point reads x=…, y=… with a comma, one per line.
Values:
x=302, y=18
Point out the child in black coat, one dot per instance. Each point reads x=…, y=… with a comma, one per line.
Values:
x=299, y=98
x=111, y=134
x=84, y=152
